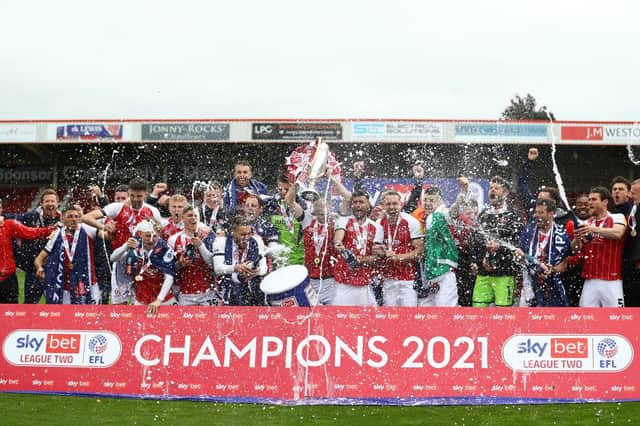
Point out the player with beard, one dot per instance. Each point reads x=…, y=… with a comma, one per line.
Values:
x=317, y=235
x=126, y=216
x=631, y=285
x=600, y=242
x=546, y=246
x=499, y=226
x=441, y=253
x=174, y=224
x=403, y=244
x=194, y=274
x=572, y=278
x=66, y=263
x=45, y=215
x=9, y=231
x=242, y=184
x=240, y=265
x=155, y=267
x=358, y=241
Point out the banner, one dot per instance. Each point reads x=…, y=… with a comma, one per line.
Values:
x=185, y=132
x=324, y=355
x=296, y=131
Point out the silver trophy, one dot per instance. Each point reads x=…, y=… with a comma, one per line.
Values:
x=317, y=169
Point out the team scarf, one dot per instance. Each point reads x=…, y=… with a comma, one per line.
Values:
x=80, y=274
x=556, y=250
x=230, y=197
x=163, y=258
x=232, y=292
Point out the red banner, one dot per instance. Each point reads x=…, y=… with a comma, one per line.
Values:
x=326, y=355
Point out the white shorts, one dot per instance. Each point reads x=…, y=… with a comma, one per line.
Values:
x=95, y=295
x=399, y=293
x=170, y=302
x=207, y=298
x=325, y=288
x=353, y=295
x=602, y=293
x=447, y=295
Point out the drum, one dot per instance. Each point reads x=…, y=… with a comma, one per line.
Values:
x=289, y=286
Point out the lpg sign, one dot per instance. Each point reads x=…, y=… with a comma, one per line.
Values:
x=42, y=348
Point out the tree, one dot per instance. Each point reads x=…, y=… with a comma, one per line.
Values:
x=526, y=109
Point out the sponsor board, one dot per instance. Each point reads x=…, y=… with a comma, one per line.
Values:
x=293, y=355
x=88, y=132
x=582, y=133
x=185, y=131
x=296, y=131
x=622, y=133
x=17, y=133
x=575, y=353
x=470, y=132
x=61, y=348
x=397, y=131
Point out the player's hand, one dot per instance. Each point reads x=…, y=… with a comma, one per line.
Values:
x=197, y=242
x=132, y=243
x=377, y=212
x=159, y=188
x=463, y=183
x=358, y=168
x=164, y=200
x=153, y=307
x=204, y=231
x=532, y=155
x=40, y=273
x=339, y=247
x=95, y=189
x=244, y=269
x=109, y=227
x=418, y=171
x=487, y=266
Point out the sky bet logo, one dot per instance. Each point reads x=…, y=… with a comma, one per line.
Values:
x=574, y=353
x=56, y=343
x=559, y=347
x=41, y=348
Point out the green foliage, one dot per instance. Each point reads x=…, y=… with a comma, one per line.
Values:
x=526, y=109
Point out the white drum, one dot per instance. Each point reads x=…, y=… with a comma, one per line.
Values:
x=289, y=286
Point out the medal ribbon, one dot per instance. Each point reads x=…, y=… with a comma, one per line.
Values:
x=71, y=252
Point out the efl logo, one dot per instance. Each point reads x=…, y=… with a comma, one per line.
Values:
x=576, y=353
x=582, y=133
x=63, y=343
x=569, y=347
x=62, y=348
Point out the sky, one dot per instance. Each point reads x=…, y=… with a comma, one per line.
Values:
x=69, y=59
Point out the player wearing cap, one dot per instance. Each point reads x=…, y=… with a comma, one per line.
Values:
x=154, y=269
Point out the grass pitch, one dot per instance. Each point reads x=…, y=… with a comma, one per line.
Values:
x=22, y=409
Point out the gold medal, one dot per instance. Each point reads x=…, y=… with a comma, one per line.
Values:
x=316, y=261
x=633, y=232
x=138, y=278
